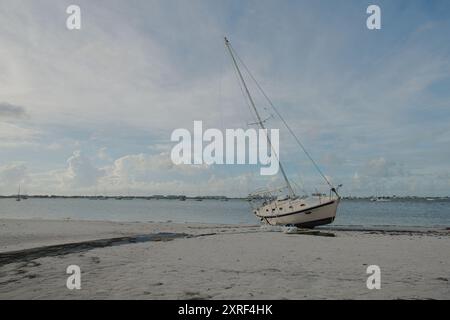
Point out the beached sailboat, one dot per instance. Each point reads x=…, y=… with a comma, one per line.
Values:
x=289, y=209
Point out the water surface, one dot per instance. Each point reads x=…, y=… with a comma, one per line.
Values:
x=418, y=213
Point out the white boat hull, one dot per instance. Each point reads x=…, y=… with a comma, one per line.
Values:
x=305, y=216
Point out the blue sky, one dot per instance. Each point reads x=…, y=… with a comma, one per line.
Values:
x=91, y=111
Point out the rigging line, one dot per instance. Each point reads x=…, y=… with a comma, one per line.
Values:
x=245, y=99
x=301, y=186
x=242, y=90
x=282, y=119
x=252, y=115
x=228, y=45
x=243, y=93
x=220, y=92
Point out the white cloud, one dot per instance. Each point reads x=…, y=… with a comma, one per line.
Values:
x=12, y=175
x=148, y=168
x=102, y=154
x=15, y=135
x=382, y=168
x=80, y=172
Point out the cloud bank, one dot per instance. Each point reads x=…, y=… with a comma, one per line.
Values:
x=371, y=106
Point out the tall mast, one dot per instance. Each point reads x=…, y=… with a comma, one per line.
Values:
x=260, y=122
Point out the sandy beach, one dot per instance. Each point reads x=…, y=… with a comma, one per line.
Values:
x=200, y=261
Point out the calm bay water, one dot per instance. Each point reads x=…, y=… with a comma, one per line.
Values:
x=404, y=213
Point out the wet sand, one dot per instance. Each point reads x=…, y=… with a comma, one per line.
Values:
x=200, y=261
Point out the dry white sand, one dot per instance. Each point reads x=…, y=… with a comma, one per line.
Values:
x=226, y=262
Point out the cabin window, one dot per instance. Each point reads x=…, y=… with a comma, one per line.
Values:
x=281, y=208
x=302, y=205
x=291, y=207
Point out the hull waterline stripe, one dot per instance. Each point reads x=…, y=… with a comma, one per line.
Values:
x=291, y=213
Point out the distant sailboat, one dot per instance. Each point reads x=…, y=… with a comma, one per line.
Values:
x=18, y=195
x=289, y=209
